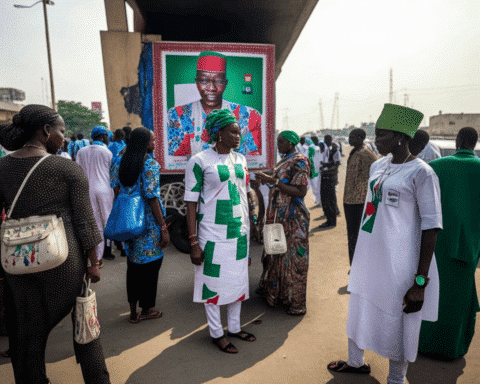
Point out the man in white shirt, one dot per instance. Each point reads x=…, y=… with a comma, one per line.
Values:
x=95, y=161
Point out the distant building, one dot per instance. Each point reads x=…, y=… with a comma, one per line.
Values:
x=450, y=123
x=7, y=111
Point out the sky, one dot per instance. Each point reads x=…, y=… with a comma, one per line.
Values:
x=346, y=47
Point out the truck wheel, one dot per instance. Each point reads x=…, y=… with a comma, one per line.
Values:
x=179, y=233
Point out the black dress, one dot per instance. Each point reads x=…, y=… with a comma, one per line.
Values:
x=37, y=302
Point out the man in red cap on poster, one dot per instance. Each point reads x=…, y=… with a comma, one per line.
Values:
x=186, y=124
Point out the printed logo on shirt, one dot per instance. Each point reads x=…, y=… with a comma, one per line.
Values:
x=393, y=198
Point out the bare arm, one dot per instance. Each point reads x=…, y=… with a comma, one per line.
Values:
x=414, y=297
x=196, y=253
x=291, y=190
x=157, y=213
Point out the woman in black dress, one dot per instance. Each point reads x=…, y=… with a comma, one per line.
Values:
x=37, y=302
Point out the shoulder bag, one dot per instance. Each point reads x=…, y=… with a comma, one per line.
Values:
x=32, y=244
x=127, y=218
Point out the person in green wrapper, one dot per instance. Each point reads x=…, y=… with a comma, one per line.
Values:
x=457, y=252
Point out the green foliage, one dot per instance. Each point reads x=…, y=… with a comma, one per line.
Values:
x=78, y=118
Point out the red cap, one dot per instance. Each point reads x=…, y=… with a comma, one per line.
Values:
x=212, y=64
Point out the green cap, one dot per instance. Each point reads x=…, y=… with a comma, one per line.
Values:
x=400, y=119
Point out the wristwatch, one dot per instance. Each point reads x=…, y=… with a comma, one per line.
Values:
x=421, y=281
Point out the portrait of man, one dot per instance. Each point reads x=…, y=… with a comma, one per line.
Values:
x=186, y=123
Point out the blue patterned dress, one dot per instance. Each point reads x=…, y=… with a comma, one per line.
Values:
x=145, y=249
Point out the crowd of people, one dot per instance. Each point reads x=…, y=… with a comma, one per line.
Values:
x=413, y=234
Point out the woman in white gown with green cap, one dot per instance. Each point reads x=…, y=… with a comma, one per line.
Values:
x=217, y=183
x=394, y=279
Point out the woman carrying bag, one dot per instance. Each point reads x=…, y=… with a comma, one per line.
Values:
x=138, y=172
x=38, y=301
x=284, y=278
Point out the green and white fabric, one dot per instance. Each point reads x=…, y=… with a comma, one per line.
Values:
x=220, y=184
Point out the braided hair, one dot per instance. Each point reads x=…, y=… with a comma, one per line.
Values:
x=24, y=125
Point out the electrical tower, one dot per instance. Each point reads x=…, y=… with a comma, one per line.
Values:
x=335, y=110
x=322, y=122
x=391, y=87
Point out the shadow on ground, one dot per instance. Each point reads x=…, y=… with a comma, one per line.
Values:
x=194, y=358
x=429, y=371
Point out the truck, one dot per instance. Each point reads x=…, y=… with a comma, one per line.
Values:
x=150, y=77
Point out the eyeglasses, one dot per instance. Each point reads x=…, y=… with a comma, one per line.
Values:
x=215, y=82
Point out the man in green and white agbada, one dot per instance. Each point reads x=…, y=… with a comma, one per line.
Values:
x=216, y=188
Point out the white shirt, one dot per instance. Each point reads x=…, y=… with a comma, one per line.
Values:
x=429, y=153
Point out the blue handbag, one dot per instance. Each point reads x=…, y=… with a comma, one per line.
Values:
x=127, y=218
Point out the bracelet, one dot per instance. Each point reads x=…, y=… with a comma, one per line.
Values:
x=194, y=235
x=194, y=243
x=165, y=226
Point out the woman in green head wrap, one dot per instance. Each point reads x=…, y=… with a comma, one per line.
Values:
x=284, y=278
x=218, y=220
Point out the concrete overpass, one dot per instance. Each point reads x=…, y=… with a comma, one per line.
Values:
x=277, y=22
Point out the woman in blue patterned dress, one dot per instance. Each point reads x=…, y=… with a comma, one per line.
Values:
x=137, y=171
x=284, y=278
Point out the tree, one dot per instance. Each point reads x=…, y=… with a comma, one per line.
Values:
x=78, y=118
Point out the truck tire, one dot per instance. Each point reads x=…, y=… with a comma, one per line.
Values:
x=178, y=231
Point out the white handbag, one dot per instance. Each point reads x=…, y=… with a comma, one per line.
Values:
x=274, y=239
x=32, y=244
x=87, y=327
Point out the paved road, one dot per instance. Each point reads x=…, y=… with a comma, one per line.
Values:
x=177, y=347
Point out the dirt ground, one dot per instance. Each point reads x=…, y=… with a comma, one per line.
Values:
x=177, y=347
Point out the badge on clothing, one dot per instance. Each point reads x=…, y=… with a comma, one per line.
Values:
x=393, y=198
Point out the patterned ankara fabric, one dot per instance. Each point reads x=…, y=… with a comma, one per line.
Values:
x=402, y=201
x=79, y=144
x=40, y=301
x=95, y=161
x=284, y=278
x=116, y=147
x=357, y=175
x=187, y=134
x=221, y=183
x=143, y=249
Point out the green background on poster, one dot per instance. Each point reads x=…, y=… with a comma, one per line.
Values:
x=181, y=69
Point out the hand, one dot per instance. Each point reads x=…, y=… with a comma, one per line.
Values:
x=265, y=178
x=413, y=300
x=196, y=255
x=165, y=238
x=254, y=184
x=93, y=273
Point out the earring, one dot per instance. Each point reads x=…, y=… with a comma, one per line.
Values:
x=399, y=143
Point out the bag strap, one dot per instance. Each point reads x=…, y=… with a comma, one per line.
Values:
x=23, y=184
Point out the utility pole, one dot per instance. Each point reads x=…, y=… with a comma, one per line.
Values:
x=391, y=87
x=322, y=123
x=335, y=109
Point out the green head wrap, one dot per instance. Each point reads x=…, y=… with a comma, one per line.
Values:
x=400, y=119
x=216, y=120
x=290, y=136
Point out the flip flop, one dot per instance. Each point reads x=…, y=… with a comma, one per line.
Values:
x=296, y=312
x=153, y=314
x=134, y=321
x=224, y=349
x=342, y=367
x=245, y=337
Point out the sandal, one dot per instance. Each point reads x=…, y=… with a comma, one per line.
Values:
x=229, y=348
x=134, y=320
x=242, y=335
x=296, y=312
x=152, y=314
x=342, y=367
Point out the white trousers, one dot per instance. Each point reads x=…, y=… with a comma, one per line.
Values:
x=397, y=372
x=215, y=322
